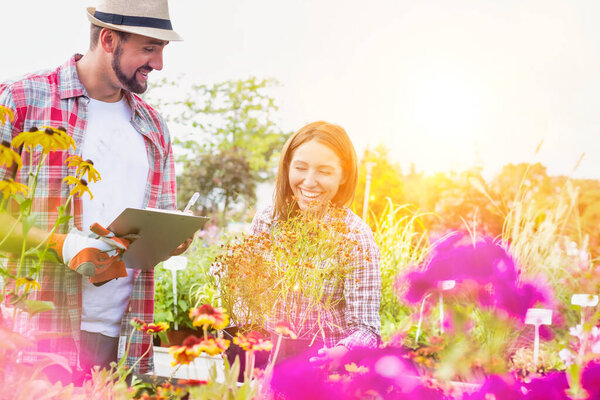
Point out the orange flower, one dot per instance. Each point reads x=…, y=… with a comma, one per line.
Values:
x=284, y=329
x=252, y=341
x=207, y=315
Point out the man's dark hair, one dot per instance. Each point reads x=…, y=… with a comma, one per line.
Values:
x=95, y=35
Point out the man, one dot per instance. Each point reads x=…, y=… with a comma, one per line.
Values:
x=94, y=98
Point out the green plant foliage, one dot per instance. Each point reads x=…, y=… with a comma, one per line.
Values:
x=195, y=286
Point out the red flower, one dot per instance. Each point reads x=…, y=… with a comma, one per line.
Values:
x=253, y=341
x=284, y=329
x=207, y=315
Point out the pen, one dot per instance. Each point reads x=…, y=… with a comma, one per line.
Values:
x=192, y=201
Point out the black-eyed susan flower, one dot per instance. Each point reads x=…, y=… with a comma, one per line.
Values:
x=8, y=156
x=10, y=187
x=84, y=167
x=49, y=138
x=28, y=283
x=6, y=115
x=207, y=315
x=252, y=341
x=81, y=186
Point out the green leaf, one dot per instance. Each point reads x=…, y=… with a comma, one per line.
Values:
x=28, y=223
x=37, y=306
x=163, y=337
x=25, y=205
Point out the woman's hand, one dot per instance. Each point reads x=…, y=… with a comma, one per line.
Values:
x=182, y=247
x=330, y=356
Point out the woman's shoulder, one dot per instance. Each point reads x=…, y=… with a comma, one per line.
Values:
x=262, y=220
x=355, y=223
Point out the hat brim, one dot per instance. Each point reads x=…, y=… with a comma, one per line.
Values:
x=155, y=33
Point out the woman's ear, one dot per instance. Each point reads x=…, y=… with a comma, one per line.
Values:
x=344, y=177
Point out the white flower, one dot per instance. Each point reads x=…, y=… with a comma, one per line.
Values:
x=576, y=331
x=566, y=356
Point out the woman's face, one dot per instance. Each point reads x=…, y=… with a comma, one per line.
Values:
x=315, y=174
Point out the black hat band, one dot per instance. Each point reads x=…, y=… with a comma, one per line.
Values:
x=148, y=22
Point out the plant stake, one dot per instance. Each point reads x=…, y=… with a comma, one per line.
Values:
x=175, y=263
x=443, y=286
x=537, y=317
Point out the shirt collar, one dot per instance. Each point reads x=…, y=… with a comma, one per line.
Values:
x=71, y=86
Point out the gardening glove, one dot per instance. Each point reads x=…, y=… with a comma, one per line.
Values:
x=97, y=255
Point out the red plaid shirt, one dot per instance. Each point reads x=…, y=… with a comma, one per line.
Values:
x=58, y=98
x=354, y=321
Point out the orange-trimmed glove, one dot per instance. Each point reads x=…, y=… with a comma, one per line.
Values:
x=97, y=255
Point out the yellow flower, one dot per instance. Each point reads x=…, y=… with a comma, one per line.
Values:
x=9, y=187
x=8, y=156
x=84, y=167
x=49, y=138
x=207, y=315
x=6, y=114
x=29, y=283
x=81, y=186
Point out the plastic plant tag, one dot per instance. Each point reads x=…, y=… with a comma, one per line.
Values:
x=537, y=317
x=584, y=300
x=175, y=263
x=446, y=285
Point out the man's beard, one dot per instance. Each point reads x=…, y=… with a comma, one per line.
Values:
x=129, y=83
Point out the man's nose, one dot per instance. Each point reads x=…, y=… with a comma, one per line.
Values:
x=157, y=61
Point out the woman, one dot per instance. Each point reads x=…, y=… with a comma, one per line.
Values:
x=318, y=168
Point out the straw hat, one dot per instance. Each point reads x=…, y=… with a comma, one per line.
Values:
x=148, y=17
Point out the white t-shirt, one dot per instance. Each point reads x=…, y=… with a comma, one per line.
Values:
x=119, y=154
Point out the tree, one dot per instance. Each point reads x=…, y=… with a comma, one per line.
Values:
x=229, y=126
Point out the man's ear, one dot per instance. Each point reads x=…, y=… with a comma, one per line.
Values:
x=108, y=40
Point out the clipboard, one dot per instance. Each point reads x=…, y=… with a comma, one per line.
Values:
x=161, y=231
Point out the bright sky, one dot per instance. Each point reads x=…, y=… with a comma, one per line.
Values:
x=445, y=84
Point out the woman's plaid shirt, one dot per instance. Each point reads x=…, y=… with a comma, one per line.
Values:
x=58, y=98
x=354, y=321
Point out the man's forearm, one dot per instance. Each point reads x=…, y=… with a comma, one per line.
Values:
x=12, y=231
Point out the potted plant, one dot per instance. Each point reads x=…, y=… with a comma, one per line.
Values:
x=195, y=286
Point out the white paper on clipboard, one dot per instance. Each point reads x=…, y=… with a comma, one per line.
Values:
x=161, y=231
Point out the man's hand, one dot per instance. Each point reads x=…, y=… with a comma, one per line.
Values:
x=98, y=258
x=331, y=357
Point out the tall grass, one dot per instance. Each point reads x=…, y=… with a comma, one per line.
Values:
x=403, y=242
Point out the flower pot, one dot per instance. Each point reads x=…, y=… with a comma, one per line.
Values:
x=176, y=337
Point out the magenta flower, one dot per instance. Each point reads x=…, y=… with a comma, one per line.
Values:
x=484, y=268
